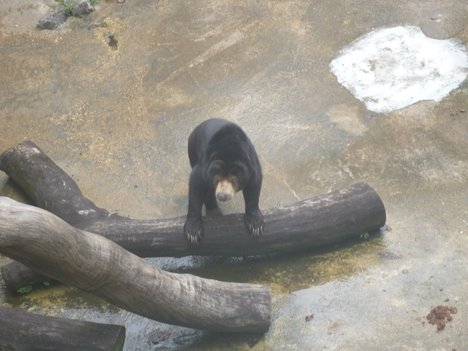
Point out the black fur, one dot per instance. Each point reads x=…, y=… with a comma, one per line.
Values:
x=220, y=149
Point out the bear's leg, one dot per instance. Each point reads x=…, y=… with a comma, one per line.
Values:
x=253, y=217
x=211, y=205
x=193, y=228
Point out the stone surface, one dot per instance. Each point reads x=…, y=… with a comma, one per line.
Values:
x=58, y=16
x=82, y=7
x=117, y=118
x=52, y=20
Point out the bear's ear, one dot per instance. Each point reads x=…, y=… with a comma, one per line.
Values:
x=243, y=172
x=242, y=168
x=213, y=169
x=214, y=156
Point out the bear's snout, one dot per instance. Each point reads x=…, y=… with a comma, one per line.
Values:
x=224, y=190
x=222, y=197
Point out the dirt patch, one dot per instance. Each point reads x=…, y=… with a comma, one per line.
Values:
x=440, y=315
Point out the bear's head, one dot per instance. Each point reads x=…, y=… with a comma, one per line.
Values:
x=227, y=177
x=229, y=162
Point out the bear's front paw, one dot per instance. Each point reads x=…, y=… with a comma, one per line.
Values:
x=193, y=230
x=254, y=223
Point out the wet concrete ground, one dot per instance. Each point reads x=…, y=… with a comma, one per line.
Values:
x=113, y=97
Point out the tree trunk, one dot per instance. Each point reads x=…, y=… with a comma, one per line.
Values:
x=316, y=222
x=21, y=330
x=39, y=239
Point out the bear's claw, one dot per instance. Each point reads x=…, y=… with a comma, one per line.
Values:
x=254, y=223
x=193, y=230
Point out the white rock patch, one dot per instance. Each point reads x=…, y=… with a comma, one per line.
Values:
x=392, y=68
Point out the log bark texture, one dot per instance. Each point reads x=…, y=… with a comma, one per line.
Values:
x=39, y=239
x=21, y=330
x=320, y=221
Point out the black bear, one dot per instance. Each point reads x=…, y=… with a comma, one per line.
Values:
x=223, y=162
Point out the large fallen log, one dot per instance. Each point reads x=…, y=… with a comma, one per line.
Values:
x=39, y=239
x=28, y=331
x=312, y=223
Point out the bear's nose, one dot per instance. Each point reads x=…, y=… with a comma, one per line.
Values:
x=222, y=196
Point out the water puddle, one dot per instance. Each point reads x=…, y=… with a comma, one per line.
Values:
x=391, y=68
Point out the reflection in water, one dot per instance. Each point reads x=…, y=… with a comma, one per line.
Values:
x=285, y=274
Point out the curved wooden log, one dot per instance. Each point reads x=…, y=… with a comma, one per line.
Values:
x=90, y=262
x=28, y=331
x=320, y=221
x=312, y=223
x=47, y=185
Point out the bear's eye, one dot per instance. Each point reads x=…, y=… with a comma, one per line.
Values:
x=234, y=181
x=214, y=169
